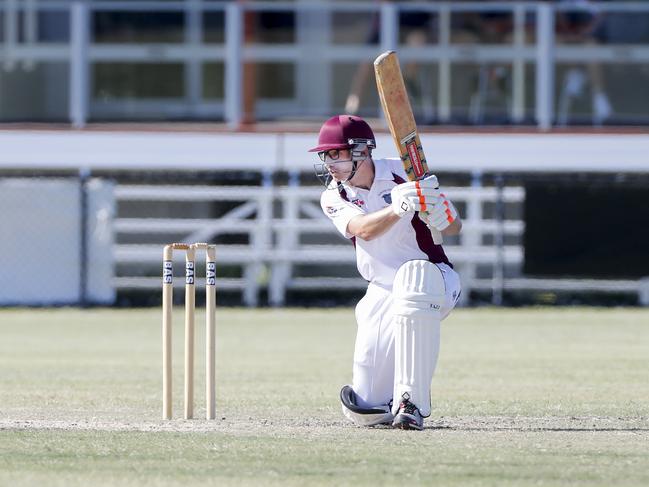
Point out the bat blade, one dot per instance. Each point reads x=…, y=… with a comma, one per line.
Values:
x=401, y=121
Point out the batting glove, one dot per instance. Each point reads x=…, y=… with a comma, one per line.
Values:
x=415, y=196
x=441, y=214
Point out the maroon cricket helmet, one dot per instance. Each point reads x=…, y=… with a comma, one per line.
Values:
x=342, y=132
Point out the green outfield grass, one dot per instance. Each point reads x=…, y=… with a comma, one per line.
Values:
x=521, y=397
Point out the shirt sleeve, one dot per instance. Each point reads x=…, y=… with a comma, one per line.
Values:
x=339, y=211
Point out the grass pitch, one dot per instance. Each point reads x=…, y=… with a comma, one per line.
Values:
x=521, y=397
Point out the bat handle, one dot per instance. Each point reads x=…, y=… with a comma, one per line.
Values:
x=437, y=235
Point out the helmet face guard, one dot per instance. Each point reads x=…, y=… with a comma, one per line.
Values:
x=357, y=148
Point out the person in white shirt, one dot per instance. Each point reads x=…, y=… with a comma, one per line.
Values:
x=412, y=285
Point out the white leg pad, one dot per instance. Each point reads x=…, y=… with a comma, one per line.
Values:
x=419, y=294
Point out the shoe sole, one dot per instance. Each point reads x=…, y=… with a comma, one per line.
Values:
x=406, y=424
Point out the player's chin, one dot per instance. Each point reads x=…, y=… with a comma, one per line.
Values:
x=339, y=177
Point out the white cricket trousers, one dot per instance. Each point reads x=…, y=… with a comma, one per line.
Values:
x=373, y=380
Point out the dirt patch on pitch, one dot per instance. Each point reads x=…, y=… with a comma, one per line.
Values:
x=555, y=423
x=241, y=426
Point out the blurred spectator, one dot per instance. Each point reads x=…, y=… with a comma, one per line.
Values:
x=492, y=84
x=482, y=27
x=353, y=102
x=417, y=28
x=582, y=25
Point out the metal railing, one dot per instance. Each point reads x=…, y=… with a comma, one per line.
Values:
x=82, y=50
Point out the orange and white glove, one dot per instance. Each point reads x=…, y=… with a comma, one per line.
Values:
x=440, y=214
x=415, y=196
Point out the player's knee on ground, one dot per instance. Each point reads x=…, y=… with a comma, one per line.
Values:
x=360, y=415
x=419, y=294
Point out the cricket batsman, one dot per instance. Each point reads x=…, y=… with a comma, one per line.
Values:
x=412, y=285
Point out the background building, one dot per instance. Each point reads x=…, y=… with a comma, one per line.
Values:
x=467, y=62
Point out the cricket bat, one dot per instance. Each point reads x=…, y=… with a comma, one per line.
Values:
x=398, y=113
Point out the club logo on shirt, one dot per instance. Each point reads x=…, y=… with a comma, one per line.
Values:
x=387, y=197
x=358, y=202
x=331, y=210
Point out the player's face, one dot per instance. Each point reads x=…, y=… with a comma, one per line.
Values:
x=338, y=162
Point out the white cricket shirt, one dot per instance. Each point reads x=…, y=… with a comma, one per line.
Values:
x=378, y=259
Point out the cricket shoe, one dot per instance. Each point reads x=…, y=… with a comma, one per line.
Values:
x=408, y=417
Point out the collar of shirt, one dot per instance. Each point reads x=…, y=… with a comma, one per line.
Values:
x=382, y=172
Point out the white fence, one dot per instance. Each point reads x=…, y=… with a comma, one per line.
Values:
x=275, y=243
x=275, y=246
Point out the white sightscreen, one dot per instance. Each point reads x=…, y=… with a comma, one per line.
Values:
x=41, y=246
